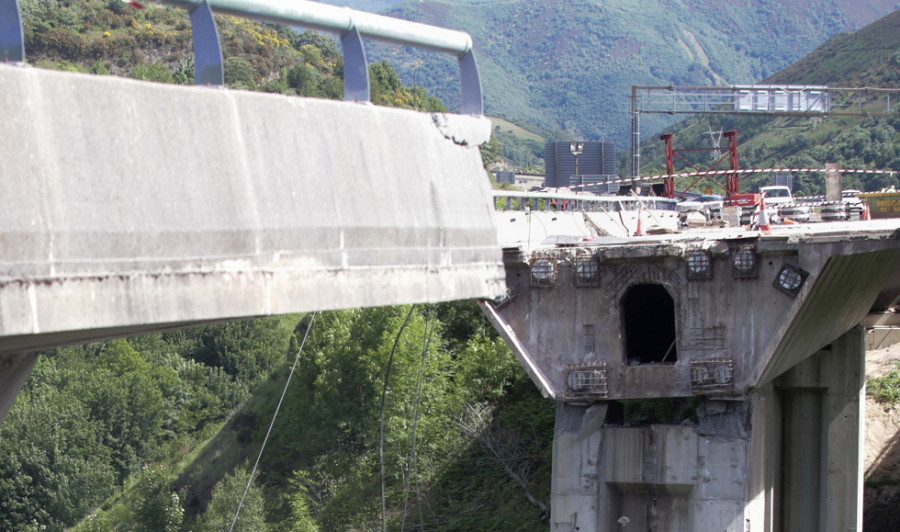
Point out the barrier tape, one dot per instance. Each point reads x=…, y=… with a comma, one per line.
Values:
x=743, y=171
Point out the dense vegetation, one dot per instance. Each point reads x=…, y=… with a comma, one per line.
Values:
x=517, y=147
x=159, y=432
x=90, y=417
x=868, y=57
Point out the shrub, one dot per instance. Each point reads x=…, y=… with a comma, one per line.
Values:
x=152, y=72
x=240, y=74
x=886, y=389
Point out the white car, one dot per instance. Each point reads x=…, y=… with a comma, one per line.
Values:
x=794, y=211
x=851, y=197
x=853, y=205
x=780, y=201
x=776, y=196
x=710, y=205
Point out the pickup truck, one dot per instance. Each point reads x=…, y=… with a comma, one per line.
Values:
x=776, y=196
x=779, y=200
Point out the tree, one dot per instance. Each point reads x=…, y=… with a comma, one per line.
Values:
x=384, y=83
x=303, y=79
x=240, y=74
x=158, y=508
x=225, y=500
x=490, y=151
x=152, y=72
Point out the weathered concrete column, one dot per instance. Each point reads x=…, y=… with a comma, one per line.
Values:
x=574, y=504
x=824, y=412
x=14, y=369
x=657, y=478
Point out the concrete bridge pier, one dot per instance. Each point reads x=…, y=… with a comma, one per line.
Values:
x=757, y=334
x=822, y=402
x=787, y=457
x=14, y=369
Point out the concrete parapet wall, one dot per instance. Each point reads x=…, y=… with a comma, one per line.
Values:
x=129, y=203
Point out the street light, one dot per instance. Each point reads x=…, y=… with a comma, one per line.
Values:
x=576, y=148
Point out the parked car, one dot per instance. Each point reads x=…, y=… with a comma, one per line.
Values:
x=794, y=211
x=708, y=204
x=776, y=195
x=779, y=200
x=853, y=205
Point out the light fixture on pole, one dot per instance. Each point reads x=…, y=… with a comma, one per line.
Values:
x=576, y=149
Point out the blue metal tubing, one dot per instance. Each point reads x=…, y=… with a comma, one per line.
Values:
x=12, y=48
x=340, y=20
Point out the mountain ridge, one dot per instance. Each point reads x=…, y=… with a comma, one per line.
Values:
x=564, y=69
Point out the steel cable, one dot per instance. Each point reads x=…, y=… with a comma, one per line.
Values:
x=272, y=424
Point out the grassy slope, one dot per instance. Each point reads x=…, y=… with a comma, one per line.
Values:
x=514, y=129
x=868, y=57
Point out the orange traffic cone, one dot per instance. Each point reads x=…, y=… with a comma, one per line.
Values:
x=763, y=217
x=638, y=232
x=865, y=213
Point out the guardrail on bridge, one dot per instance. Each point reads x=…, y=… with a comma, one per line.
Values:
x=349, y=24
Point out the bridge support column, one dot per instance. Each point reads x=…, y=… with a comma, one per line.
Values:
x=574, y=501
x=788, y=456
x=658, y=478
x=823, y=415
x=14, y=369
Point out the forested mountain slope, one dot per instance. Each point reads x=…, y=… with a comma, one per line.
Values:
x=869, y=57
x=566, y=68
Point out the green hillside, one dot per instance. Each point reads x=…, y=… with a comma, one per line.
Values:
x=869, y=57
x=565, y=69
x=154, y=44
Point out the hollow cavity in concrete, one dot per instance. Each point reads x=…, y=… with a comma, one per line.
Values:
x=648, y=312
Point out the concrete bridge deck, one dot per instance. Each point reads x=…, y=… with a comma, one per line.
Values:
x=132, y=206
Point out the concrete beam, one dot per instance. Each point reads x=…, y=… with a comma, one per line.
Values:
x=839, y=298
x=14, y=369
x=733, y=331
x=132, y=205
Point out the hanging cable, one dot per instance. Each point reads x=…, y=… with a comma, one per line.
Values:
x=387, y=374
x=272, y=424
x=412, y=453
x=415, y=461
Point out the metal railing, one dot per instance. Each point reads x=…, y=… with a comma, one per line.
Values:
x=510, y=200
x=351, y=25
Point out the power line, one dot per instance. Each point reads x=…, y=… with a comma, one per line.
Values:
x=387, y=374
x=272, y=424
x=412, y=453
